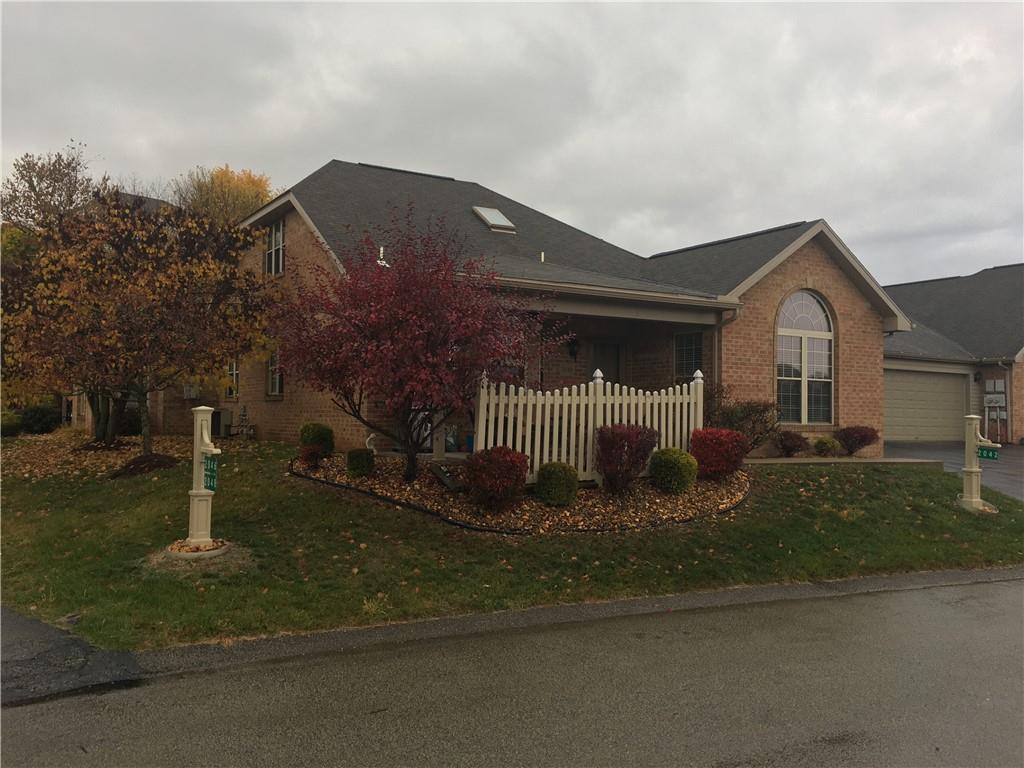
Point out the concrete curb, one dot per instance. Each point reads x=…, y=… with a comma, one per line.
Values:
x=147, y=667
x=204, y=657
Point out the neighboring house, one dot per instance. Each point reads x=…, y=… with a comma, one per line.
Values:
x=786, y=314
x=965, y=355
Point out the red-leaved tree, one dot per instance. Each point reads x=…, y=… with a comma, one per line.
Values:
x=401, y=337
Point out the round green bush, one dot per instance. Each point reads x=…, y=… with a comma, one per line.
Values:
x=10, y=425
x=672, y=470
x=359, y=462
x=318, y=434
x=39, y=419
x=557, y=484
x=827, y=446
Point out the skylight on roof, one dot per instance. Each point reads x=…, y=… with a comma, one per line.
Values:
x=494, y=219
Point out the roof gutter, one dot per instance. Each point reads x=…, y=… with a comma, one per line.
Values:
x=625, y=294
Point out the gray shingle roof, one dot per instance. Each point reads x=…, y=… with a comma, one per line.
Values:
x=719, y=266
x=345, y=199
x=926, y=344
x=983, y=313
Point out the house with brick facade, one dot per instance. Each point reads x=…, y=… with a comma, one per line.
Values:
x=964, y=355
x=786, y=313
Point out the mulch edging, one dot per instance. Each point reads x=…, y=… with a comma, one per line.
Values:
x=741, y=481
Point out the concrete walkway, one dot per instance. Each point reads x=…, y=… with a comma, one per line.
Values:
x=38, y=661
x=1005, y=475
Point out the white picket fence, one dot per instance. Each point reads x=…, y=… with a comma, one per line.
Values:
x=560, y=425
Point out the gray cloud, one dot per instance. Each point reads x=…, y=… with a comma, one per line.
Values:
x=653, y=126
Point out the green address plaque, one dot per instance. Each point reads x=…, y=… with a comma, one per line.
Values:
x=210, y=473
x=988, y=453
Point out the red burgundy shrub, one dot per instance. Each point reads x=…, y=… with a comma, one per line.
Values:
x=497, y=476
x=791, y=443
x=854, y=438
x=622, y=453
x=719, y=452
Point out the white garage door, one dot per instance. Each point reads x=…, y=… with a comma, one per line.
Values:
x=925, y=406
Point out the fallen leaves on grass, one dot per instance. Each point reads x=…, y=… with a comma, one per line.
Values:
x=594, y=509
x=70, y=453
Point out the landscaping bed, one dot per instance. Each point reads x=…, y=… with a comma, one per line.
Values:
x=594, y=509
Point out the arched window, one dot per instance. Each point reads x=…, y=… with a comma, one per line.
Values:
x=803, y=360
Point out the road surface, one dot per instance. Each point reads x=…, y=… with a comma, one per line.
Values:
x=922, y=677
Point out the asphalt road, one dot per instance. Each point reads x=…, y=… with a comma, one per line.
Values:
x=920, y=677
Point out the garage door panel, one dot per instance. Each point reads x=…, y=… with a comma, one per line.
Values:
x=924, y=405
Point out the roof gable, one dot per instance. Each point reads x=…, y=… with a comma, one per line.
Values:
x=720, y=266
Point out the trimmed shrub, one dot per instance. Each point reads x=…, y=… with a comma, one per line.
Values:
x=10, y=425
x=359, y=462
x=719, y=452
x=557, y=484
x=757, y=419
x=310, y=456
x=497, y=476
x=791, y=443
x=827, y=446
x=318, y=434
x=39, y=419
x=854, y=438
x=622, y=453
x=672, y=470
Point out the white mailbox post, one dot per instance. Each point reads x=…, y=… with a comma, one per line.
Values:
x=200, y=498
x=971, y=498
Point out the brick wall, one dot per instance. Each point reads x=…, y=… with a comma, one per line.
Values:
x=748, y=344
x=281, y=417
x=1017, y=402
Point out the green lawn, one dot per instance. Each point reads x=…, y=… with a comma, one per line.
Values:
x=326, y=558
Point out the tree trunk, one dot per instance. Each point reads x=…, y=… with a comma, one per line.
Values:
x=98, y=425
x=114, y=420
x=100, y=406
x=411, y=464
x=147, y=435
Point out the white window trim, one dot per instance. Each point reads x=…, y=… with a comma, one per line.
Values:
x=275, y=378
x=804, y=377
x=234, y=377
x=273, y=255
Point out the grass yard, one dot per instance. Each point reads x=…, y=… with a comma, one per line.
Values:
x=325, y=558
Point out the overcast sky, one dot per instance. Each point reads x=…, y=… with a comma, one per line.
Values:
x=652, y=126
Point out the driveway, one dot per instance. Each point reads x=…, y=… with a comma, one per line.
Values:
x=1005, y=475
x=922, y=677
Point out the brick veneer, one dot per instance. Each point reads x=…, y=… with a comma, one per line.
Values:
x=748, y=345
x=1017, y=402
x=281, y=417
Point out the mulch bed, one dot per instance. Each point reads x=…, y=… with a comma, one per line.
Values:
x=594, y=509
x=71, y=453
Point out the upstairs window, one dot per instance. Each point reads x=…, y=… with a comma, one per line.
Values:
x=275, y=378
x=233, y=379
x=689, y=354
x=273, y=263
x=803, y=360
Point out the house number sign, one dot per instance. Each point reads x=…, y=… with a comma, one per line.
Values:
x=210, y=472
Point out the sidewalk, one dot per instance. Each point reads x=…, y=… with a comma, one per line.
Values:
x=40, y=661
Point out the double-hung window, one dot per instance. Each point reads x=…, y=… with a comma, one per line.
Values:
x=233, y=379
x=803, y=360
x=273, y=263
x=275, y=377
